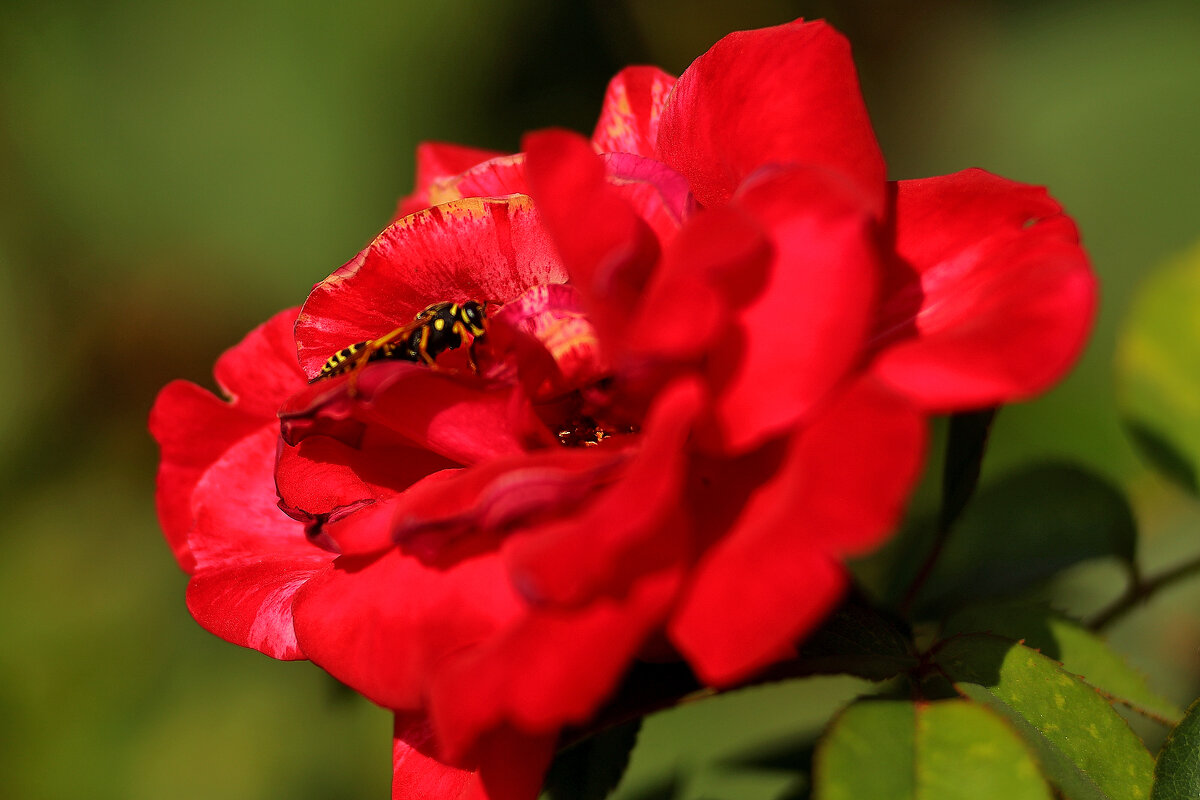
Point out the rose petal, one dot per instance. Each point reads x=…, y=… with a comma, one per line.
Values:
x=383, y=625
x=262, y=370
x=782, y=95
x=237, y=516
x=548, y=669
x=657, y=193
x=608, y=249
x=632, y=527
x=462, y=419
x=511, y=765
x=458, y=416
x=547, y=342
x=250, y=604
x=429, y=518
x=797, y=340
x=843, y=485
x=322, y=479
x=632, y=106
x=497, y=177
x=476, y=248
x=435, y=161
x=674, y=194
x=417, y=774
x=324, y=408
x=993, y=299
x=250, y=556
x=193, y=428
x=719, y=262
x=498, y=496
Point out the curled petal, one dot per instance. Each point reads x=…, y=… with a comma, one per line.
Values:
x=322, y=479
x=841, y=487
x=430, y=517
x=498, y=496
x=471, y=249
x=782, y=95
x=324, y=408
x=459, y=417
x=992, y=297
x=630, y=114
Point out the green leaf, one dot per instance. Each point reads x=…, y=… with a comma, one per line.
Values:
x=1158, y=370
x=591, y=769
x=1027, y=527
x=945, y=750
x=966, y=751
x=1177, y=773
x=857, y=640
x=1080, y=652
x=868, y=752
x=1084, y=746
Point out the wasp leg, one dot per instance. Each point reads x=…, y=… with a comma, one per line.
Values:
x=471, y=358
x=355, y=369
x=422, y=349
x=463, y=333
x=366, y=354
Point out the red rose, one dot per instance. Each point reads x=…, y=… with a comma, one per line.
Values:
x=714, y=333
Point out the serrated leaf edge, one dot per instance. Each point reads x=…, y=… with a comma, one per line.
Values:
x=1108, y=696
x=1017, y=723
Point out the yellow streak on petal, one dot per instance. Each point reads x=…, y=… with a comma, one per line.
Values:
x=465, y=208
x=444, y=190
x=618, y=125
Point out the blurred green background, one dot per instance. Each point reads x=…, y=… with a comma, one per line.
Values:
x=173, y=174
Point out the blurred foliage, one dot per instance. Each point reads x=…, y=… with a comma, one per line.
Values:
x=1158, y=363
x=1021, y=530
x=175, y=173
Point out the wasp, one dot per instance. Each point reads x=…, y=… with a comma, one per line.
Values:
x=435, y=329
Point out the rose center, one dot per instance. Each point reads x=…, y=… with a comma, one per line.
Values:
x=544, y=340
